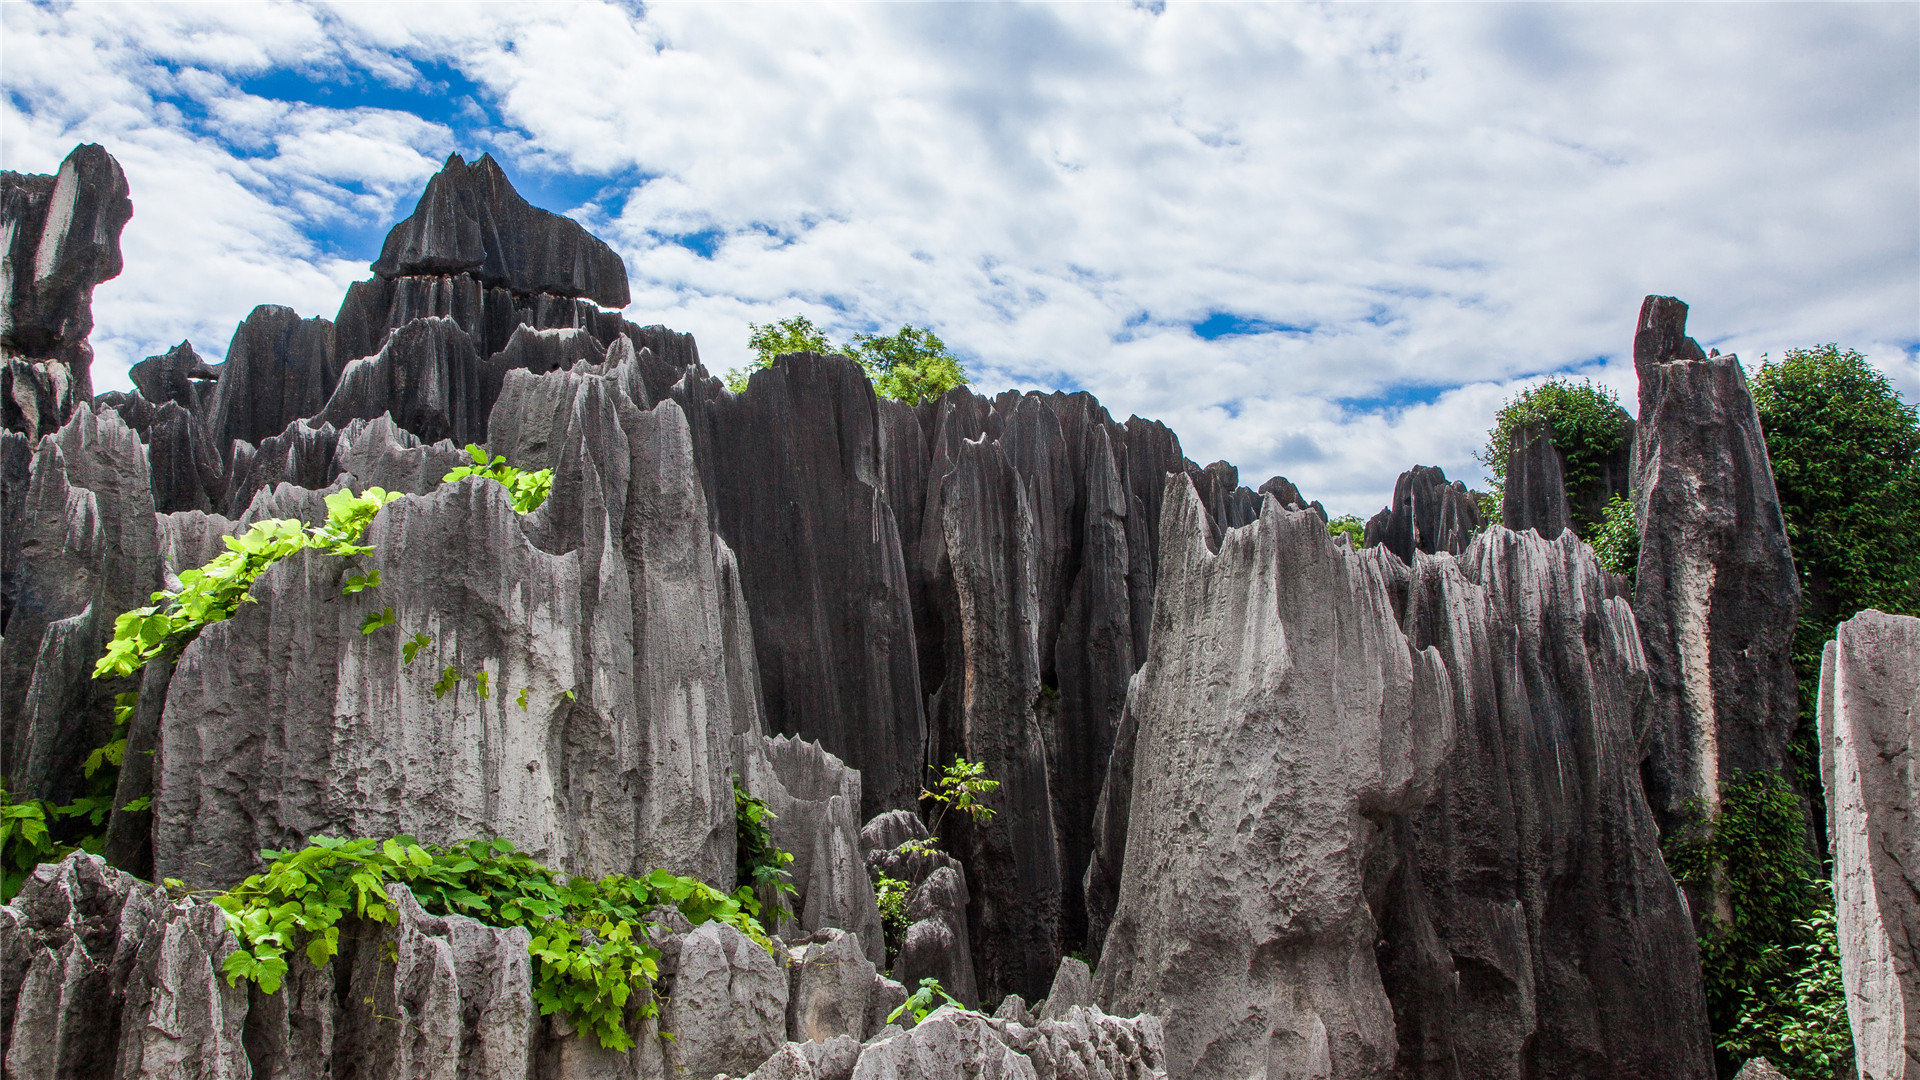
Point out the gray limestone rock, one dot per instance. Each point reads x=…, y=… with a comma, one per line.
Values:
x=178, y=375
x=815, y=799
x=279, y=368
x=1535, y=495
x=793, y=468
x=1084, y=1045
x=471, y=221
x=427, y=375
x=59, y=237
x=87, y=553
x=1427, y=514
x=1529, y=926
x=728, y=1010
x=833, y=1059
x=1072, y=988
x=832, y=983
x=1278, y=705
x=1715, y=594
x=1759, y=1069
x=1870, y=763
x=597, y=622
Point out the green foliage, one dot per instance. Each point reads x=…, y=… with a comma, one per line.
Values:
x=891, y=892
x=759, y=864
x=912, y=364
x=528, y=488
x=959, y=788
x=921, y=1002
x=590, y=945
x=27, y=842
x=1769, y=962
x=1587, y=428
x=1846, y=462
x=1616, y=537
x=212, y=593
x=1351, y=527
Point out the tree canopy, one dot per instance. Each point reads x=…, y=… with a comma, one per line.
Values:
x=911, y=364
x=1587, y=424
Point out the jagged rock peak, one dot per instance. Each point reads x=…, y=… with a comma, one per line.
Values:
x=178, y=375
x=471, y=220
x=1427, y=514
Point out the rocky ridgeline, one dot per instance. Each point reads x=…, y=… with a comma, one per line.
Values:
x=1328, y=812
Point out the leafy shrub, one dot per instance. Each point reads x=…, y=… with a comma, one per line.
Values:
x=921, y=1002
x=528, y=488
x=959, y=787
x=1616, y=537
x=759, y=864
x=1587, y=426
x=891, y=894
x=590, y=945
x=1846, y=463
x=1769, y=962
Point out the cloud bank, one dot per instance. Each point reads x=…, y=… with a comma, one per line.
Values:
x=1323, y=242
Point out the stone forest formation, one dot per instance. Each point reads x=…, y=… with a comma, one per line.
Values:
x=1270, y=805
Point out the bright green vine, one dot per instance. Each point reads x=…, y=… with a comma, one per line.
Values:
x=527, y=487
x=590, y=945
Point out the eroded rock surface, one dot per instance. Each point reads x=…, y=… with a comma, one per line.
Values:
x=1715, y=594
x=1427, y=514
x=1870, y=764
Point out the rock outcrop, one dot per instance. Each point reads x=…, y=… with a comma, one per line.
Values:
x=1870, y=763
x=583, y=707
x=935, y=943
x=59, y=237
x=1535, y=494
x=1529, y=925
x=1427, y=514
x=1715, y=594
x=1281, y=708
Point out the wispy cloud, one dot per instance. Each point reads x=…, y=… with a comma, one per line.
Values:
x=1325, y=242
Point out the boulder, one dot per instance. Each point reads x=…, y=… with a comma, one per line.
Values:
x=728, y=1010
x=1869, y=713
x=833, y=982
x=1715, y=594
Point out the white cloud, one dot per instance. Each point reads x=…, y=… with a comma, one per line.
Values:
x=1450, y=197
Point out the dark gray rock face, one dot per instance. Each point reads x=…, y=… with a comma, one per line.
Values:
x=61, y=237
x=179, y=375
x=470, y=220
x=87, y=552
x=1531, y=927
x=597, y=621
x=1715, y=594
x=1535, y=496
x=1870, y=764
x=279, y=368
x=1427, y=514
x=793, y=468
x=1280, y=707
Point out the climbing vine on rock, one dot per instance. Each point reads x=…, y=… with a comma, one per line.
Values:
x=759, y=864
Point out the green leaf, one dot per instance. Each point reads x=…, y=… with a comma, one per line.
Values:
x=376, y=620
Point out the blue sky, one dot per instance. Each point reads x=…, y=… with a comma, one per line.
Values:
x=1320, y=241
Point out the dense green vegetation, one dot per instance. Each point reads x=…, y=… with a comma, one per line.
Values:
x=1587, y=427
x=912, y=364
x=1846, y=462
x=590, y=944
x=1771, y=967
x=1616, y=537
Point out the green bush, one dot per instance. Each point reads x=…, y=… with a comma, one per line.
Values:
x=1587, y=426
x=1616, y=537
x=589, y=942
x=758, y=863
x=1846, y=462
x=1768, y=959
